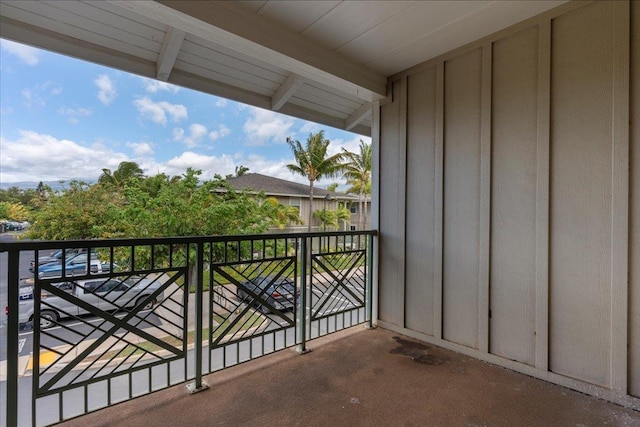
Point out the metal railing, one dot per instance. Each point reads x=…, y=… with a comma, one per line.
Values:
x=111, y=320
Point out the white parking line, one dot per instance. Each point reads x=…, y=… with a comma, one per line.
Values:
x=71, y=325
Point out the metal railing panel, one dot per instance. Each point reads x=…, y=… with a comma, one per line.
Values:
x=338, y=284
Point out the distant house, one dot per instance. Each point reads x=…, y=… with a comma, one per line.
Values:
x=295, y=194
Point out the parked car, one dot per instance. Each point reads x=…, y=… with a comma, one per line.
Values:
x=281, y=294
x=107, y=294
x=56, y=257
x=74, y=266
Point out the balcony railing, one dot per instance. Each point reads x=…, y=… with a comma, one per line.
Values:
x=111, y=320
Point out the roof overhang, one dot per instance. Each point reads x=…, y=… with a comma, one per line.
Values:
x=323, y=61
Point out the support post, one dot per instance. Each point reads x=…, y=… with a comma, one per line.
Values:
x=369, y=297
x=12, y=337
x=198, y=384
x=302, y=345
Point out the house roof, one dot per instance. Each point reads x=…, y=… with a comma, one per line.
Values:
x=323, y=61
x=279, y=187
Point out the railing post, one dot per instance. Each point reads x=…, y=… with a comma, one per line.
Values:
x=369, y=298
x=302, y=345
x=13, y=329
x=198, y=384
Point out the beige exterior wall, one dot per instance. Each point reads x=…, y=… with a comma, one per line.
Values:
x=509, y=207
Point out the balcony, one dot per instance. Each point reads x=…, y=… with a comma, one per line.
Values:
x=125, y=318
x=210, y=321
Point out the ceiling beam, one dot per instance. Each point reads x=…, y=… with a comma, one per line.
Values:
x=236, y=28
x=357, y=116
x=286, y=91
x=169, y=52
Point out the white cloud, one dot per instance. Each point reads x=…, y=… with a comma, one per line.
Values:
x=221, y=102
x=153, y=86
x=221, y=132
x=263, y=126
x=196, y=133
x=32, y=99
x=29, y=55
x=36, y=96
x=52, y=87
x=73, y=114
x=40, y=157
x=178, y=134
x=106, y=89
x=352, y=145
x=310, y=127
x=141, y=148
x=209, y=165
x=157, y=111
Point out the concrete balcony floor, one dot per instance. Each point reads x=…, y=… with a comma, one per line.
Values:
x=364, y=377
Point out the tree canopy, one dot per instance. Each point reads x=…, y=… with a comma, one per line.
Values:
x=138, y=206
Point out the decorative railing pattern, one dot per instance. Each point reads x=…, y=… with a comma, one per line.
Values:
x=142, y=315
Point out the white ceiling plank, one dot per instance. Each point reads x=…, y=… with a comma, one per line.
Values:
x=236, y=28
x=286, y=91
x=169, y=52
x=357, y=116
x=40, y=20
x=73, y=47
x=196, y=51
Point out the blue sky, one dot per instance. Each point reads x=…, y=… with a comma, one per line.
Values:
x=62, y=119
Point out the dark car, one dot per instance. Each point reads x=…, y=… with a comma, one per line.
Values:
x=268, y=294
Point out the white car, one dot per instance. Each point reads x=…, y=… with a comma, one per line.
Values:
x=106, y=294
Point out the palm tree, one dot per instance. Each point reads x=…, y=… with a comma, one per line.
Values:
x=312, y=163
x=120, y=177
x=358, y=176
x=283, y=215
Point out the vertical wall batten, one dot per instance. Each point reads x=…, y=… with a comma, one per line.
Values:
x=634, y=220
x=484, y=243
x=620, y=197
x=375, y=203
x=402, y=187
x=438, y=197
x=542, y=198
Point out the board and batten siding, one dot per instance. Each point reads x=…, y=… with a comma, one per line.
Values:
x=509, y=208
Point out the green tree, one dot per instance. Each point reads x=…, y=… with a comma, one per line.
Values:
x=313, y=162
x=82, y=211
x=333, y=187
x=327, y=217
x=122, y=176
x=283, y=215
x=343, y=214
x=357, y=172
